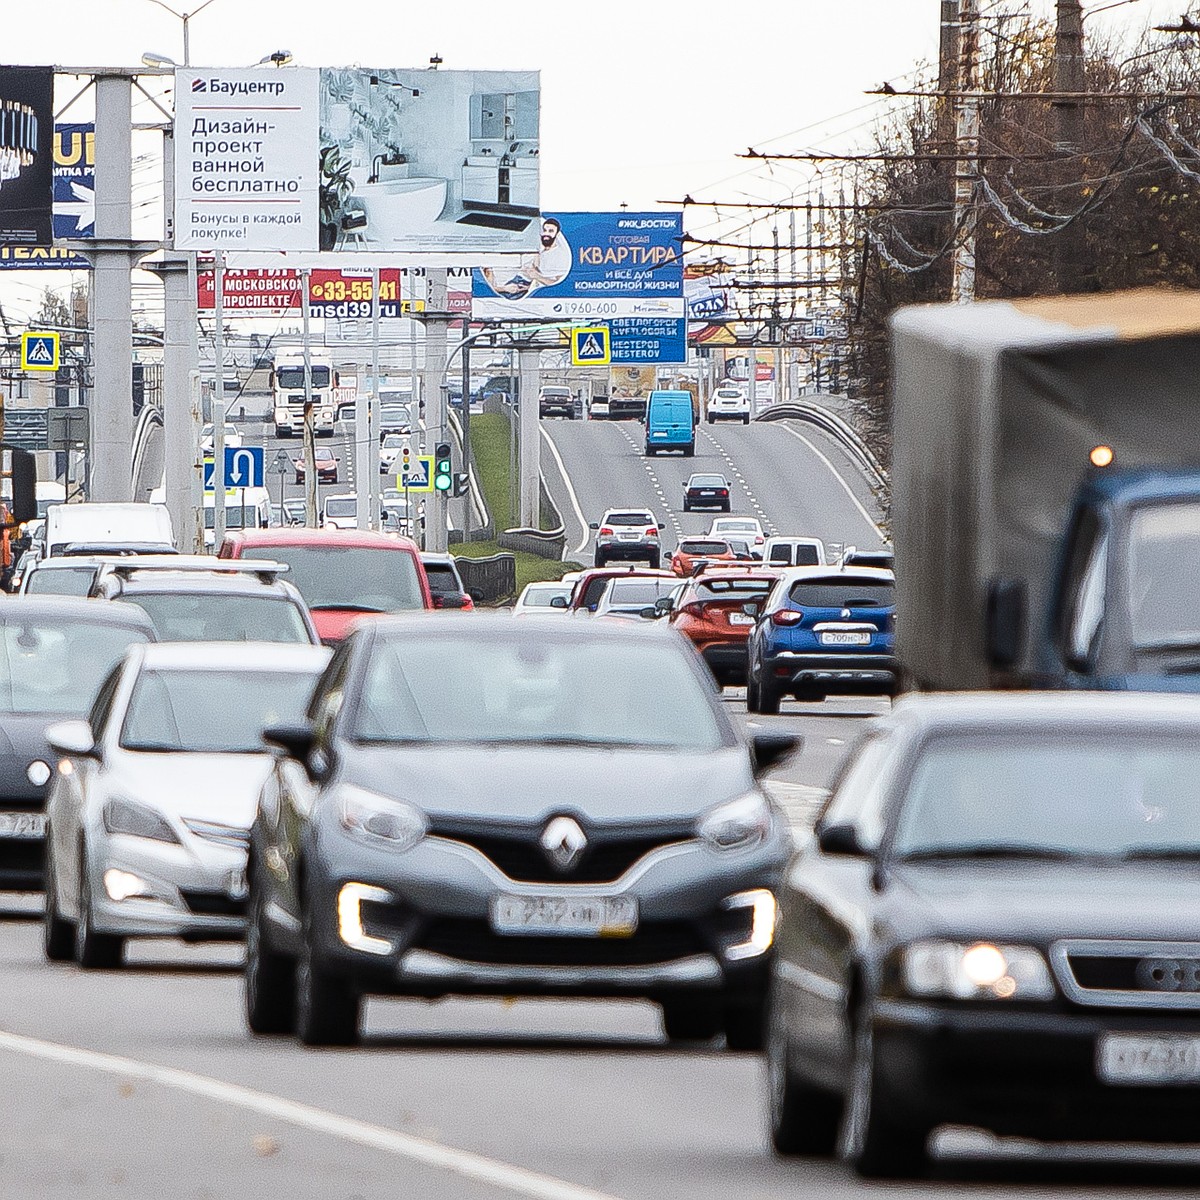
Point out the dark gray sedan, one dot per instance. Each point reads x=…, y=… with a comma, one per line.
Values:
x=996, y=924
x=513, y=808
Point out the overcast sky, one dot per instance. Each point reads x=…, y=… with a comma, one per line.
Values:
x=642, y=100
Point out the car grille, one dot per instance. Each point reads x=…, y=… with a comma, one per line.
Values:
x=1129, y=974
x=521, y=858
x=213, y=904
x=213, y=831
x=474, y=941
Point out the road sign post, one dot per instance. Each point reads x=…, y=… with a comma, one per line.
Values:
x=280, y=465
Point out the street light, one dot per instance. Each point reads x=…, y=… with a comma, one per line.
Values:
x=150, y=59
x=185, y=17
x=280, y=58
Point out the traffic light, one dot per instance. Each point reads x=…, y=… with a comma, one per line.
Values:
x=443, y=471
x=462, y=483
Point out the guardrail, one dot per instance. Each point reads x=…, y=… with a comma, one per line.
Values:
x=841, y=431
x=545, y=544
x=492, y=579
x=149, y=419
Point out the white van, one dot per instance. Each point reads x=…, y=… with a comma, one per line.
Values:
x=49, y=493
x=794, y=552
x=108, y=527
x=245, y=508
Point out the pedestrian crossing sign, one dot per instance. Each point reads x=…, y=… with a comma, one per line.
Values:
x=591, y=346
x=39, y=351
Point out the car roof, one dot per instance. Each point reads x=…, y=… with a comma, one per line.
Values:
x=633, y=508
x=188, y=583
x=224, y=656
x=873, y=574
x=486, y=626
x=299, y=535
x=73, y=609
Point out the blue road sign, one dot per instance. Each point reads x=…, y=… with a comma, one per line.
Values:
x=245, y=466
x=643, y=341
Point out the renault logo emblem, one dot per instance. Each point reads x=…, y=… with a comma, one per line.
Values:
x=845, y=614
x=564, y=842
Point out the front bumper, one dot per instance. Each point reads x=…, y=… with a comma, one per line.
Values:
x=435, y=937
x=854, y=674
x=1026, y=1073
x=198, y=891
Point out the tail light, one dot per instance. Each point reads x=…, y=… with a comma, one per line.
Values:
x=722, y=491
x=606, y=532
x=695, y=609
x=468, y=603
x=652, y=531
x=785, y=616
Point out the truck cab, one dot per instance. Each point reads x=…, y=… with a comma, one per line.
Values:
x=288, y=389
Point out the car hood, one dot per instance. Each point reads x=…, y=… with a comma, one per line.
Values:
x=214, y=787
x=531, y=783
x=1042, y=902
x=22, y=740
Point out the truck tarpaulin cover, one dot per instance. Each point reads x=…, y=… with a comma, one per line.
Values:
x=996, y=408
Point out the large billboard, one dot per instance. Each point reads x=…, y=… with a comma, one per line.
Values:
x=246, y=159
x=74, y=203
x=590, y=266
x=26, y=145
x=429, y=161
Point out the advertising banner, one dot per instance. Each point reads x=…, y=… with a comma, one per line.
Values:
x=74, y=203
x=707, y=295
x=26, y=154
x=245, y=159
x=429, y=161
x=341, y=294
x=590, y=266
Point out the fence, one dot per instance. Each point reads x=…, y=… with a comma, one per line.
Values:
x=491, y=579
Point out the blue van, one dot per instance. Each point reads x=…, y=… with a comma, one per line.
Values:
x=670, y=423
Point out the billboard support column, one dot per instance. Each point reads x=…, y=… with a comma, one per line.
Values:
x=113, y=258
x=466, y=425
x=371, y=466
x=530, y=514
x=218, y=403
x=310, y=445
x=436, y=425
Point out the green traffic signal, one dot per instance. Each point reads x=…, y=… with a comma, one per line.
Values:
x=443, y=478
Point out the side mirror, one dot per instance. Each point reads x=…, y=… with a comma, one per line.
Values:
x=559, y=602
x=476, y=594
x=594, y=525
x=752, y=608
x=296, y=741
x=663, y=605
x=1005, y=621
x=840, y=839
x=771, y=749
x=661, y=527
x=72, y=738
x=650, y=613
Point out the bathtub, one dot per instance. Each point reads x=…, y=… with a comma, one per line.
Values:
x=395, y=207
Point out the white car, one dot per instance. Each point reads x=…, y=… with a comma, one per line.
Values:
x=794, y=552
x=749, y=527
x=148, y=818
x=538, y=599
x=728, y=403
x=340, y=512
x=232, y=437
x=389, y=451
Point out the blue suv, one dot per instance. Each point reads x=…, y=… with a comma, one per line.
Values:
x=823, y=631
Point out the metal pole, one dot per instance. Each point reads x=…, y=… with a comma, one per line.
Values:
x=187, y=45
x=466, y=427
x=436, y=532
x=530, y=446
x=962, y=289
x=366, y=457
x=374, y=494
x=310, y=444
x=218, y=404
x=512, y=439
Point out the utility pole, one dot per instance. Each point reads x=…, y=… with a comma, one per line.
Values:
x=310, y=445
x=962, y=289
x=1070, y=76
x=218, y=402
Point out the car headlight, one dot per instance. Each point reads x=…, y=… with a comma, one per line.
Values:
x=367, y=815
x=737, y=824
x=136, y=820
x=975, y=971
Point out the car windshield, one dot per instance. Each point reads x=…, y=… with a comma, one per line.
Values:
x=341, y=506
x=630, y=518
x=1119, y=793
x=638, y=592
x=237, y=516
x=293, y=377
x=517, y=690
x=57, y=666
x=746, y=526
x=733, y=589
x=540, y=597
x=1164, y=576
x=394, y=414
x=217, y=712
x=842, y=593
x=705, y=547
x=393, y=441
x=806, y=554
x=707, y=481
x=367, y=578
x=221, y=617
x=64, y=581
x=442, y=579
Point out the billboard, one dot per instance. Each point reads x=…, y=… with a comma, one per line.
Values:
x=429, y=161
x=26, y=153
x=245, y=159
x=74, y=203
x=344, y=294
x=590, y=266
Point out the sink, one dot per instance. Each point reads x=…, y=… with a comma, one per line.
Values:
x=396, y=206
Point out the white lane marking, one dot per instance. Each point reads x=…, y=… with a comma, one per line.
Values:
x=587, y=533
x=375, y=1137
x=838, y=475
x=647, y=462
x=768, y=526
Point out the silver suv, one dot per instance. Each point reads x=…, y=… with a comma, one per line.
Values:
x=628, y=533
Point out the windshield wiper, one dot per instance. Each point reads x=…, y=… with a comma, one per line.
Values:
x=363, y=608
x=994, y=850
x=1165, y=852
x=582, y=742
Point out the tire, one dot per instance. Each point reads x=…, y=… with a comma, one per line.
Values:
x=751, y=693
x=656, y=562
x=58, y=934
x=94, y=951
x=744, y=1029
x=873, y=1138
x=687, y=507
x=800, y=1119
x=599, y=560
x=651, y=451
x=269, y=983
x=746, y=419
x=711, y=420
x=768, y=700
x=726, y=508
x=691, y=1020
x=328, y=1007
x=689, y=451
x=280, y=432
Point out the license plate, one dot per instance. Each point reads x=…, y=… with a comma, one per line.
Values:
x=597, y=916
x=1133, y=1059
x=740, y=619
x=22, y=825
x=845, y=639
x=628, y=537
x=707, y=492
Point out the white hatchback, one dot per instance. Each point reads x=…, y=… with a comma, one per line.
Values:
x=728, y=403
x=747, y=527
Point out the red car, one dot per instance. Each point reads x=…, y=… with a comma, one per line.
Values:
x=327, y=466
x=695, y=550
x=445, y=583
x=709, y=612
x=343, y=574
x=591, y=584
